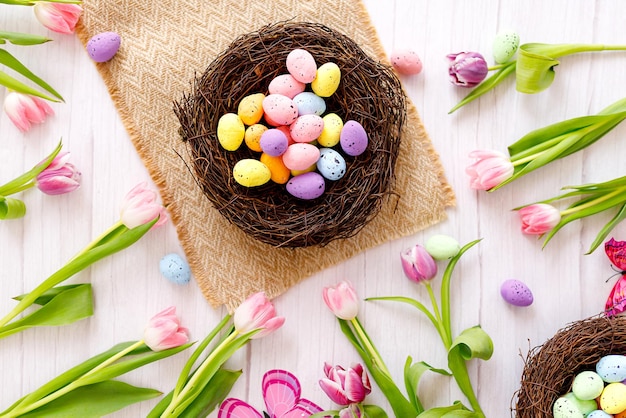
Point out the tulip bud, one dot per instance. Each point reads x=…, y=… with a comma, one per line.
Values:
x=342, y=300
x=58, y=17
x=345, y=387
x=164, y=331
x=59, y=177
x=140, y=207
x=257, y=313
x=489, y=170
x=24, y=110
x=418, y=264
x=467, y=69
x=539, y=218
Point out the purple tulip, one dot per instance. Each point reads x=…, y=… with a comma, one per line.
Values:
x=467, y=69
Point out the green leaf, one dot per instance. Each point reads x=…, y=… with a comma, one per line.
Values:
x=13, y=63
x=65, y=308
x=373, y=411
x=11, y=208
x=50, y=294
x=94, y=401
x=412, y=376
x=25, y=39
x=213, y=394
x=19, y=182
x=604, y=232
x=455, y=409
x=488, y=84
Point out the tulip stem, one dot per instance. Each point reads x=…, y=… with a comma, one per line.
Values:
x=445, y=337
x=369, y=346
x=594, y=201
x=498, y=67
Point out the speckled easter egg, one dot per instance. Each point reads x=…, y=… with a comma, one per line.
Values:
x=230, y=131
x=306, y=186
x=274, y=142
x=331, y=165
x=613, y=398
x=516, y=293
x=584, y=406
x=252, y=137
x=310, y=104
x=587, y=385
x=598, y=413
x=353, y=138
x=565, y=408
x=286, y=85
x=406, y=61
x=300, y=156
x=327, y=80
x=310, y=168
x=612, y=368
x=250, y=108
x=251, y=173
x=306, y=128
x=301, y=65
x=279, y=109
x=279, y=173
x=175, y=269
x=442, y=247
x=505, y=45
x=103, y=46
x=332, y=130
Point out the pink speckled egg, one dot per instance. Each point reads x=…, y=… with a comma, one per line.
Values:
x=301, y=65
x=286, y=85
x=279, y=110
x=406, y=62
x=306, y=186
x=516, y=293
x=306, y=128
x=300, y=156
x=103, y=46
x=274, y=142
x=353, y=138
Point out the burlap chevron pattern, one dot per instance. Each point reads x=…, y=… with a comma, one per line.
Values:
x=164, y=44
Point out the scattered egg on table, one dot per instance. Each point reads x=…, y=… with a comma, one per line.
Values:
x=306, y=128
x=301, y=65
x=442, y=247
x=300, y=156
x=406, y=61
x=587, y=385
x=505, y=45
x=332, y=130
x=175, y=269
x=250, y=109
x=306, y=186
x=274, y=142
x=230, y=131
x=251, y=173
x=516, y=293
x=327, y=80
x=353, y=138
x=286, y=85
x=279, y=109
x=612, y=368
x=613, y=398
x=310, y=103
x=103, y=46
x=331, y=165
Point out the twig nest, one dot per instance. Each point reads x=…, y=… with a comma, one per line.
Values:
x=550, y=369
x=367, y=92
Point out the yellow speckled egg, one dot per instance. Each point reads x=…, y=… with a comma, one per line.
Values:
x=306, y=170
x=279, y=172
x=332, y=130
x=250, y=108
x=613, y=398
x=251, y=173
x=230, y=131
x=326, y=80
x=252, y=136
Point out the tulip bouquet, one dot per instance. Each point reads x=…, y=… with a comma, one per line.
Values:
x=62, y=305
x=90, y=389
x=54, y=175
x=199, y=391
x=420, y=267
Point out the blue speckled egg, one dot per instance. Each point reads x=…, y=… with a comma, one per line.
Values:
x=310, y=104
x=175, y=269
x=612, y=368
x=331, y=164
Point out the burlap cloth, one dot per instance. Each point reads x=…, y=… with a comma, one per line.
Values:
x=165, y=43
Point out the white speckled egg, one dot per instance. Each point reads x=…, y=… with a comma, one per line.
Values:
x=612, y=368
x=310, y=104
x=175, y=269
x=505, y=45
x=306, y=186
x=587, y=385
x=103, y=46
x=565, y=408
x=331, y=164
x=516, y=293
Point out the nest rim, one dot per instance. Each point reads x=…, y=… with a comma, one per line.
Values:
x=369, y=92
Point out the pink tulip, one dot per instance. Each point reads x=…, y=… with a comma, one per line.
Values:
x=59, y=177
x=59, y=17
x=418, y=264
x=467, y=69
x=23, y=110
x=345, y=387
x=140, y=207
x=164, y=331
x=489, y=170
x=350, y=411
x=342, y=300
x=539, y=218
x=257, y=313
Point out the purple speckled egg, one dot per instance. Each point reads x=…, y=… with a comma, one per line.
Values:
x=516, y=293
x=353, y=138
x=103, y=46
x=306, y=186
x=274, y=142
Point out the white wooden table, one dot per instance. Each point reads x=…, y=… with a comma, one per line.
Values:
x=129, y=289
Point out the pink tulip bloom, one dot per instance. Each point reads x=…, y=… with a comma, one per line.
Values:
x=489, y=170
x=164, y=331
x=59, y=177
x=257, y=312
x=342, y=300
x=140, y=207
x=418, y=264
x=58, y=17
x=467, y=69
x=350, y=411
x=23, y=110
x=345, y=387
x=539, y=218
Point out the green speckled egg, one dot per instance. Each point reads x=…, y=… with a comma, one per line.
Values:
x=565, y=408
x=504, y=46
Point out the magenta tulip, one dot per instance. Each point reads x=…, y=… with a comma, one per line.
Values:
x=489, y=170
x=257, y=313
x=24, y=110
x=418, y=264
x=539, y=218
x=345, y=387
x=58, y=17
x=342, y=300
x=467, y=69
x=140, y=207
x=59, y=177
x=164, y=331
